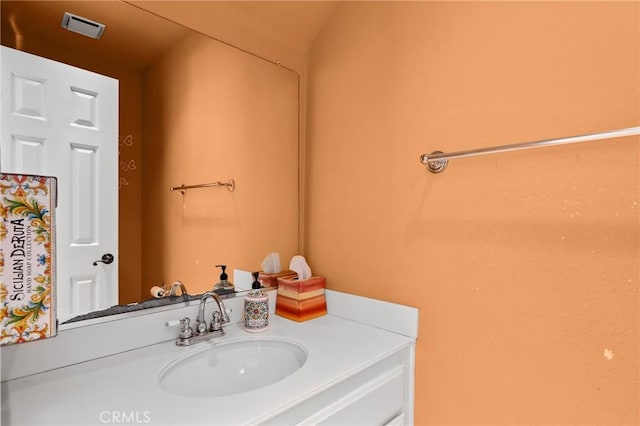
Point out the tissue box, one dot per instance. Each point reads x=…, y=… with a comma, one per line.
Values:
x=27, y=258
x=301, y=300
x=271, y=280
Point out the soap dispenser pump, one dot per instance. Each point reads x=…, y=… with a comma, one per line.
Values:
x=224, y=286
x=256, y=308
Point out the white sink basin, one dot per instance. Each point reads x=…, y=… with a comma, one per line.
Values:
x=231, y=368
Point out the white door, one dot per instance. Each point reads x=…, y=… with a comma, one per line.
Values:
x=62, y=121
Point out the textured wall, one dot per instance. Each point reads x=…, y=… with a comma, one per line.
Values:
x=213, y=113
x=524, y=265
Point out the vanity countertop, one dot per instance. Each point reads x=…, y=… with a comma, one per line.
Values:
x=93, y=392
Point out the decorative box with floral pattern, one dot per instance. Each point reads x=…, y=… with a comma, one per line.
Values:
x=27, y=258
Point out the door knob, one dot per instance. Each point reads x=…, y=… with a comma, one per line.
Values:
x=106, y=259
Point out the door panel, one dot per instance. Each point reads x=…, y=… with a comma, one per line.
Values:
x=83, y=188
x=62, y=121
x=27, y=153
x=28, y=97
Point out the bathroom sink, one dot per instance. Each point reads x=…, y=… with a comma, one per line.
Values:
x=232, y=368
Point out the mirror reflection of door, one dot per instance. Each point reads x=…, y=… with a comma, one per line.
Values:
x=62, y=121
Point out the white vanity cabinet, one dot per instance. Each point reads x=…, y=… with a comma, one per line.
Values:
x=358, y=371
x=382, y=394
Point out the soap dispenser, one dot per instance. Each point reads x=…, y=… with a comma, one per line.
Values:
x=256, y=308
x=224, y=286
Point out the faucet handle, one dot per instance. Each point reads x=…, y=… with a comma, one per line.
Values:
x=172, y=323
x=216, y=323
x=185, y=329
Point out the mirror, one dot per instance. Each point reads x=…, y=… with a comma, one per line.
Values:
x=192, y=110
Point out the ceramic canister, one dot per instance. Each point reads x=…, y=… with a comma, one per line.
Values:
x=256, y=311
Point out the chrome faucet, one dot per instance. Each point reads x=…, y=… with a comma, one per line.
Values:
x=187, y=336
x=218, y=320
x=175, y=286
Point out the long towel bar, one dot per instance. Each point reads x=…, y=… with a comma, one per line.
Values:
x=230, y=184
x=437, y=161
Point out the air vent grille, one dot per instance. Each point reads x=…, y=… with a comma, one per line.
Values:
x=83, y=26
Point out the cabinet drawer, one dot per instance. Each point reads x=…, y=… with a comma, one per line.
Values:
x=376, y=395
x=374, y=403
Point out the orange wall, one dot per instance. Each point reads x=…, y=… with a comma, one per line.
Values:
x=524, y=265
x=213, y=113
x=129, y=131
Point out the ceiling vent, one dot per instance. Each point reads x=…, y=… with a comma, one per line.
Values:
x=81, y=25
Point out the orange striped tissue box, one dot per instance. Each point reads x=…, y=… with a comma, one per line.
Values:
x=301, y=300
x=271, y=280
